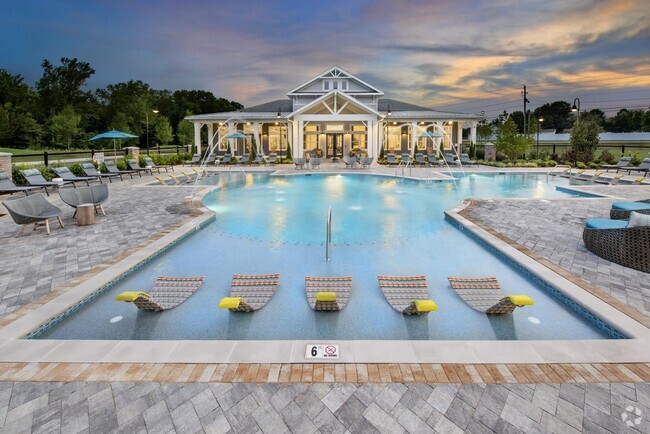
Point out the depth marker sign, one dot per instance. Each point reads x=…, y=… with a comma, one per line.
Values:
x=318, y=351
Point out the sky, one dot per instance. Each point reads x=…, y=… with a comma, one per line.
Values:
x=460, y=55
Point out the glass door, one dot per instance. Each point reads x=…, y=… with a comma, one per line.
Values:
x=334, y=146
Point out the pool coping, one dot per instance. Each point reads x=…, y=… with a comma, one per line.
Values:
x=13, y=348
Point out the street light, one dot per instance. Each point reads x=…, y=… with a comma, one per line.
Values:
x=539, y=122
x=146, y=114
x=576, y=108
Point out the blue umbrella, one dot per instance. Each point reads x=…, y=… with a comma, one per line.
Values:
x=429, y=134
x=237, y=136
x=113, y=134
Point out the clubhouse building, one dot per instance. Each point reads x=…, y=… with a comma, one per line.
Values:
x=335, y=112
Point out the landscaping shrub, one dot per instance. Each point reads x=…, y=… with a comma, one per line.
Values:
x=480, y=154
x=593, y=165
x=636, y=158
x=606, y=157
x=581, y=165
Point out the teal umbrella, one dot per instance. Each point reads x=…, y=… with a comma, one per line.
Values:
x=429, y=134
x=113, y=134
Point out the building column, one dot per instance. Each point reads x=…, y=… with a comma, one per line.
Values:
x=294, y=138
x=256, y=135
x=380, y=137
x=232, y=142
x=414, y=136
x=371, y=138
x=301, y=133
x=210, y=134
x=197, y=137
x=459, y=135
x=472, y=134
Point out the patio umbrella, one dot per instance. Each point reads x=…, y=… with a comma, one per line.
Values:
x=237, y=136
x=432, y=136
x=113, y=134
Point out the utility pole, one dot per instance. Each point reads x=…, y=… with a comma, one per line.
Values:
x=525, y=94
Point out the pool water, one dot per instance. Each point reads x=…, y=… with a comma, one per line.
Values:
x=380, y=226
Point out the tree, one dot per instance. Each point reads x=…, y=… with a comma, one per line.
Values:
x=60, y=86
x=510, y=142
x=164, y=133
x=627, y=121
x=557, y=115
x=65, y=127
x=18, y=129
x=484, y=131
x=584, y=139
x=185, y=132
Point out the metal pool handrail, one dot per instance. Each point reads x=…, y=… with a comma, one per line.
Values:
x=328, y=233
x=237, y=167
x=407, y=164
x=555, y=167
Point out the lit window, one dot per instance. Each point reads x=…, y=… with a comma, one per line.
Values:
x=277, y=139
x=394, y=139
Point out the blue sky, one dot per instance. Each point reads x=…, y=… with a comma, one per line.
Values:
x=457, y=55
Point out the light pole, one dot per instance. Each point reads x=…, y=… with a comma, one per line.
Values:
x=539, y=121
x=576, y=108
x=146, y=115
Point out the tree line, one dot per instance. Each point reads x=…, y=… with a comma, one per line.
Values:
x=57, y=113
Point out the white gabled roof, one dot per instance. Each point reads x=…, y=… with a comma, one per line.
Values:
x=337, y=71
x=338, y=93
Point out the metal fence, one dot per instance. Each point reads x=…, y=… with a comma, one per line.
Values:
x=46, y=157
x=617, y=149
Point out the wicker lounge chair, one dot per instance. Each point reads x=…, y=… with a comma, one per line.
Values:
x=153, y=165
x=299, y=162
x=65, y=174
x=622, y=210
x=134, y=165
x=314, y=162
x=464, y=159
x=167, y=293
x=614, y=241
x=8, y=186
x=249, y=293
x=350, y=162
x=391, y=159
x=643, y=167
x=95, y=194
x=485, y=295
x=623, y=162
x=366, y=162
x=113, y=170
x=90, y=170
x=407, y=295
x=328, y=293
x=34, y=209
x=35, y=178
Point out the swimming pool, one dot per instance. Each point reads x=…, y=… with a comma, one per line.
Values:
x=380, y=226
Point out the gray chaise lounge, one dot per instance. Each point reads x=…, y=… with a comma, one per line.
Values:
x=65, y=174
x=35, y=178
x=113, y=170
x=89, y=169
x=153, y=165
x=34, y=209
x=8, y=186
x=134, y=165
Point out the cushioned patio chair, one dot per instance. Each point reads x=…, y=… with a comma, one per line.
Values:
x=34, y=209
x=464, y=159
x=314, y=162
x=366, y=162
x=153, y=165
x=35, y=178
x=225, y=159
x=245, y=158
x=196, y=159
x=90, y=170
x=95, y=194
x=65, y=174
x=391, y=159
x=273, y=158
x=134, y=165
x=622, y=210
x=299, y=162
x=433, y=160
x=113, y=170
x=8, y=186
x=406, y=158
x=643, y=167
x=350, y=162
x=623, y=162
x=626, y=243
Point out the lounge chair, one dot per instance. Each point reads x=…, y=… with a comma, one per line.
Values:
x=196, y=159
x=35, y=178
x=449, y=160
x=245, y=158
x=391, y=159
x=249, y=293
x=134, y=165
x=34, y=209
x=259, y=159
x=419, y=159
x=433, y=160
x=273, y=158
x=225, y=159
x=623, y=162
x=643, y=167
x=166, y=181
x=350, y=162
x=328, y=293
x=65, y=174
x=150, y=167
x=95, y=194
x=167, y=293
x=407, y=295
x=300, y=163
x=315, y=162
x=622, y=210
x=8, y=186
x=150, y=162
x=90, y=170
x=366, y=162
x=618, y=242
x=190, y=177
x=464, y=159
x=113, y=170
x=210, y=160
x=485, y=295
x=406, y=158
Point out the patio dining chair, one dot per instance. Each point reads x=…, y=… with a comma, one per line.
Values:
x=315, y=162
x=366, y=162
x=350, y=162
x=299, y=163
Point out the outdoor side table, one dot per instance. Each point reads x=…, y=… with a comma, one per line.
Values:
x=85, y=214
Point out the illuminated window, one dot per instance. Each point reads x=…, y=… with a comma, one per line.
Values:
x=277, y=139
x=359, y=136
x=394, y=138
x=310, y=137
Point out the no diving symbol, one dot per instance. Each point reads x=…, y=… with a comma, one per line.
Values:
x=330, y=350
